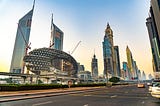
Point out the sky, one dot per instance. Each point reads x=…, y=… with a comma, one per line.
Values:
x=80, y=20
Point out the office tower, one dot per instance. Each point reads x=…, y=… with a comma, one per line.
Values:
x=130, y=61
x=153, y=26
x=21, y=42
x=94, y=67
x=132, y=66
x=56, y=42
x=117, y=57
x=108, y=52
x=107, y=56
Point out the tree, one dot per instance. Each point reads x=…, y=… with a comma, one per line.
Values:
x=114, y=79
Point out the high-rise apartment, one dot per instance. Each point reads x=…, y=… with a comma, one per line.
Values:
x=21, y=42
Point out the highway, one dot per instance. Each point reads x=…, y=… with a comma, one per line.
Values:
x=114, y=96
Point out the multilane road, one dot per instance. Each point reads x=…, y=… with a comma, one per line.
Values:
x=114, y=96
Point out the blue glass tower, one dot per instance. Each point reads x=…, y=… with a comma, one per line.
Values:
x=56, y=42
x=107, y=56
x=21, y=42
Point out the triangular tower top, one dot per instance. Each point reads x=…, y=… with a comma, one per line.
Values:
x=33, y=4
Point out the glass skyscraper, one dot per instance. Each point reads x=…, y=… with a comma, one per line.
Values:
x=21, y=42
x=107, y=54
x=116, y=49
x=56, y=42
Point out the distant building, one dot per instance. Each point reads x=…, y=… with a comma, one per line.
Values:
x=135, y=69
x=131, y=63
x=80, y=67
x=56, y=42
x=139, y=75
x=153, y=25
x=21, y=43
x=123, y=74
x=143, y=75
x=150, y=77
x=127, y=71
x=84, y=75
x=117, y=57
x=94, y=67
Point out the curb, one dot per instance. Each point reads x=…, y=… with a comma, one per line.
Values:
x=45, y=94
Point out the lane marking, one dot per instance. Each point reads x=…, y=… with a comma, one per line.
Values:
x=87, y=95
x=85, y=105
x=113, y=96
x=37, y=104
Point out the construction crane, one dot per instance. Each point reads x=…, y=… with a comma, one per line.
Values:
x=75, y=47
x=50, y=45
x=28, y=45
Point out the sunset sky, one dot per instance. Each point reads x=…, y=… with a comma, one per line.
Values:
x=80, y=20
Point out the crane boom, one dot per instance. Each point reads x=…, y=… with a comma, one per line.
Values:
x=75, y=47
x=27, y=46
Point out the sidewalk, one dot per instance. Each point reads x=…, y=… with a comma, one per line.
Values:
x=59, y=90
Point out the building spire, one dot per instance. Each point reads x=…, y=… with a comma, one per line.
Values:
x=33, y=4
x=108, y=29
x=51, y=21
x=108, y=26
x=94, y=54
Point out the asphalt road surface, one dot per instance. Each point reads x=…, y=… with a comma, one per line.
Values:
x=114, y=96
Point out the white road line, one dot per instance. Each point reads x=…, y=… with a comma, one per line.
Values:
x=86, y=95
x=113, y=96
x=38, y=104
x=85, y=105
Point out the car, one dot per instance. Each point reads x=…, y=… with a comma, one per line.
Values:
x=155, y=90
x=141, y=85
x=153, y=85
x=149, y=84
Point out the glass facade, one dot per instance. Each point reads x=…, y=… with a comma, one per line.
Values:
x=21, y=41
x=56, y=37
x=57, y=43
x=107, y=56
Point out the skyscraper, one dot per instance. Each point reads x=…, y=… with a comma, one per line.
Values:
x=56, y=42
x=117, y=57
x=130, y=62
x=155, y=5
x=108, y=52
x=21, y=42
x=153, y=25
x=94, y=67
x=107, y=56
x=127, y=71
